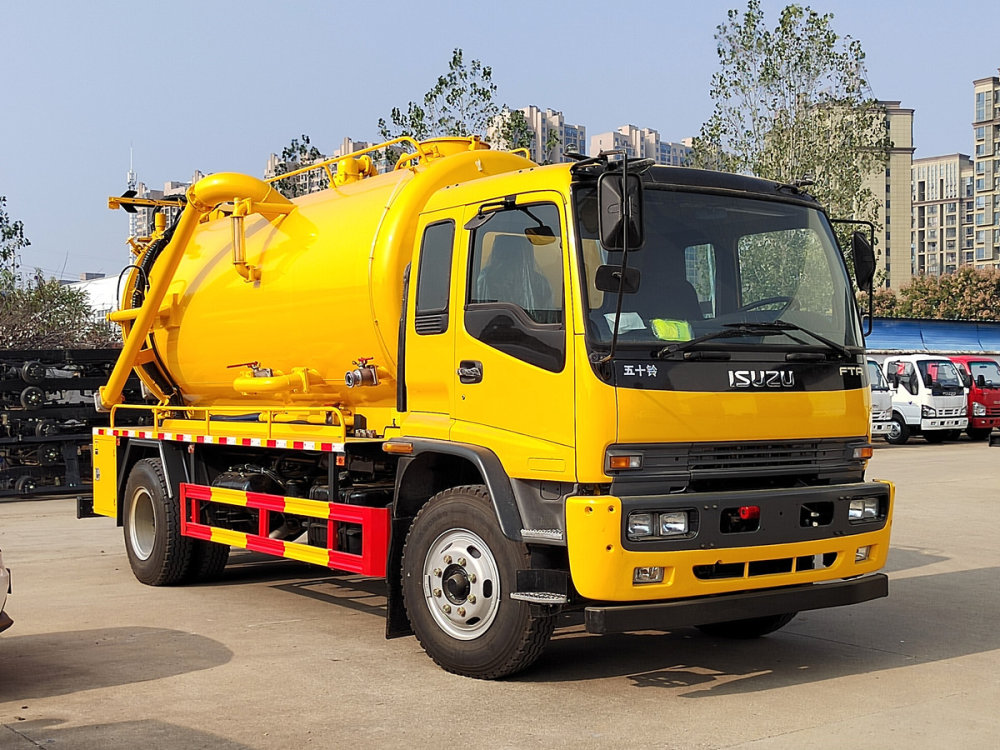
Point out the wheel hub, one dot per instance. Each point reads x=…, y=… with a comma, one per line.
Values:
x=461, y=584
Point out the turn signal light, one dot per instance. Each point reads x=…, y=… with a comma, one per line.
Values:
x=619, y=463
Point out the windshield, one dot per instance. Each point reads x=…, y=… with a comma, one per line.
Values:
x=990, y=372
x=939, y=372
x=711, y=263
x=876, y=378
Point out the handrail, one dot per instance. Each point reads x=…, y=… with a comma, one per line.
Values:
x=327, y=163
x=269, y=417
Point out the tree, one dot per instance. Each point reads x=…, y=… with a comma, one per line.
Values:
x=297, y=154
x=36, y=313
x=793, y=103
x=12, y=242
x=461, y=103
x=966, y=294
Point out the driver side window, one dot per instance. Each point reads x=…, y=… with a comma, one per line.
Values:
x=515, y=285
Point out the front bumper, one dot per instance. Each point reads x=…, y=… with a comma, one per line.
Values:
x=983, y=423
x=881, y=428
x=788, y=549
x=949, y=423
x=740, y=606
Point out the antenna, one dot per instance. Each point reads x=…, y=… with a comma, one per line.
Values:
x=131, y=181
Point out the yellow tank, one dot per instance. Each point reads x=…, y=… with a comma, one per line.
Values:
x=277, y=310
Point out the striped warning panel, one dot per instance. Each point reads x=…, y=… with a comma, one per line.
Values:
x=374, y=523
x=302, y=445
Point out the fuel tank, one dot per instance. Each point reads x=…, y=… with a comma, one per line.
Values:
x=316, y=295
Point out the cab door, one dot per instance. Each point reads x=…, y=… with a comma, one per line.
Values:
x=513, y=370
x=430, y=326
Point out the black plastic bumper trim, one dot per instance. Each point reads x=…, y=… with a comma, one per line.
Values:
x=622, y=618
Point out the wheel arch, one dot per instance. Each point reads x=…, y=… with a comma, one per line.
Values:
x=171, y=459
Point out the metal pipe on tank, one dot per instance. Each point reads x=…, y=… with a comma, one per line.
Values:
x=202, y=197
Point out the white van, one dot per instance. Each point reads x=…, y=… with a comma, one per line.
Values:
x=881, y=400
x=928, y=398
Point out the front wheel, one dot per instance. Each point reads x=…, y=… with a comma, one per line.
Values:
x=745, y=629
x=458, y=574
x=898, y=433
x=978, y=433
x=157, y=553
x=935, y=436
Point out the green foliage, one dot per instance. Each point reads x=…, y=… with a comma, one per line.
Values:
x=967, y=294
x=297, y=154
x=512, y=130
x=37, y=313
x=791, y=103
x=12, y=242
x=44, y=314
x=461, y=103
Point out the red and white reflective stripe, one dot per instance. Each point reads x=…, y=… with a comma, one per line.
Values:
x=246, y=442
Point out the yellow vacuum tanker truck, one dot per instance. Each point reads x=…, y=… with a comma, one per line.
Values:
x=628, y=392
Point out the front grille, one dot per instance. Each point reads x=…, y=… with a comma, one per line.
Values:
x=680, y=464
x=993, y=411
x=754, y=568
x=949, y=412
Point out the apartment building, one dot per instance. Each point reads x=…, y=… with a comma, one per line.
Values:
x=942, y=220
x=552, y=136
x=891, y=187
x=986, y=176
x=141, y=223
x=642, y=143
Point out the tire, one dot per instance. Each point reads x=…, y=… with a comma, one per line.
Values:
x=747, y=629
x=935, y=436
x=458, y=572
x=952, y=434
x=208, y=560
x=32, y=397
x=50, y=454
x=46, y=427
x=978, y=433
x=157, y=552
x=33, y=372
x=25, y=485
x=898, y=432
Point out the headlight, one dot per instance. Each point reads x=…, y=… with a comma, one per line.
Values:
x=646, y=525
x=978, y=410
x=864, y=509
x=928, y=411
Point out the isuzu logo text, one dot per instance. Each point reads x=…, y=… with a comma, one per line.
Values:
x=761, y=379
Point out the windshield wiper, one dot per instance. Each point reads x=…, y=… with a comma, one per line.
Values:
x=733, y=330
x=730, y=330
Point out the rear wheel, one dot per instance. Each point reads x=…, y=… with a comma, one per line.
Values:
x=157, y=552
x=978, y=433
x=208, y=560
x=745, y=629
x=898, y=433
x=458, y=574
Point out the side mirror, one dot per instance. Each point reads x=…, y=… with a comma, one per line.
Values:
x=894, y=379
x=928, y=380
x=619, y=214
x=609, y=279
x=864, y=261
x=981, y=381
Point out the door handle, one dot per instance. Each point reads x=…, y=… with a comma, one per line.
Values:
x=470, y=371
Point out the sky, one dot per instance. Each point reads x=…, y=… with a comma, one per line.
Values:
x=216, y=86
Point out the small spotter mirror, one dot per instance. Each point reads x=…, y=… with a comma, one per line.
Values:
x=609, y=279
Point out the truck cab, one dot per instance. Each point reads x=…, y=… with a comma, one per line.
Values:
x=981, y=377
x=881, y=400
x=928, y=398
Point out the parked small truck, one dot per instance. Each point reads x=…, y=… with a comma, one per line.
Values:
x=928, y=398
x=981, y=377
x=628, y=393
x=881, y=400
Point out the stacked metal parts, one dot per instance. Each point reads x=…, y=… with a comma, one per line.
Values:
x=46, y=416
